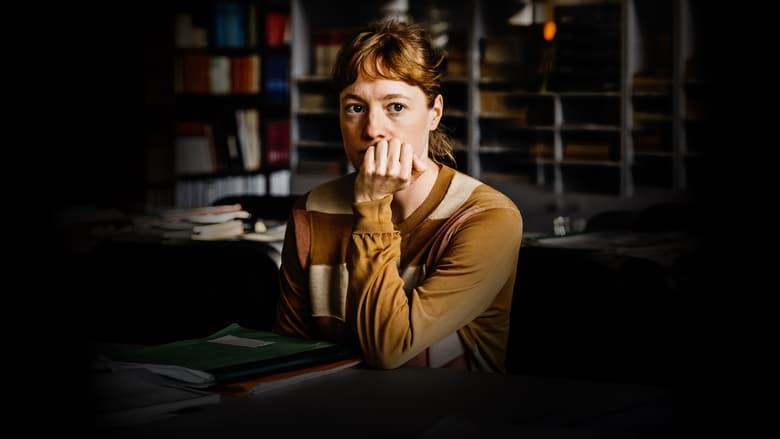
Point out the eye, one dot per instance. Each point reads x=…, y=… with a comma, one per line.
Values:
x=354, y=108
x=395, y=107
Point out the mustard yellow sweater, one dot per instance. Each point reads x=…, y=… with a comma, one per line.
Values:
x=434, y=290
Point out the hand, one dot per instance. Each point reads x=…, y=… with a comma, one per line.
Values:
x=388, y=167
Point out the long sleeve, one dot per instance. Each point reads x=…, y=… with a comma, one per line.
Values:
x=293, y=310
x=478, y=263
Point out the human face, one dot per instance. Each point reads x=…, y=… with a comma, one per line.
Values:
x=385, y=109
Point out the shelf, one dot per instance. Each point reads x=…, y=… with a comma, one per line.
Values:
x=312, y=79
x=231, y=104
x=455, y=114
x=317, y=112
x=455, y=80
x=488, y=115
x=591, y=127
x=319, y=144
x=225, y=174
x=217, y=51
x=588, y=94
x=583, y=162
x=619, y=108
x=662, y=154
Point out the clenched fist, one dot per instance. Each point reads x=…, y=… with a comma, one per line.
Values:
x=388, y=167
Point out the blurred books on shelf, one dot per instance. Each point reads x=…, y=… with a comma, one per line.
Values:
x=586, y=151
x=541, y=151
x=647, y=84
x=277, y=29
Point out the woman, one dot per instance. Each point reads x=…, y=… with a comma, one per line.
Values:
x=407, y=258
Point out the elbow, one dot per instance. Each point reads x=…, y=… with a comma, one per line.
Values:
x=383, y=361
x=386, y=345
x=389, y=357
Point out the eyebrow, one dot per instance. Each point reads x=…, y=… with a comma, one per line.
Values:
x=386, y=97
x=394, y=96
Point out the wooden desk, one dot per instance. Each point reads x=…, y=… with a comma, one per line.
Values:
x=419, y=402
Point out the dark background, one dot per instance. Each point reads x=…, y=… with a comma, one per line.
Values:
x=100, y=66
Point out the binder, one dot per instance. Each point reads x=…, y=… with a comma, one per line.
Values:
x=234, y=354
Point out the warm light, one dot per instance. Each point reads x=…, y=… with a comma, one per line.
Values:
x=549, y=30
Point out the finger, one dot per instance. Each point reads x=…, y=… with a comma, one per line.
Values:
x=407, y=155
x=381, y=157
x=368, y=161
x=394, y=154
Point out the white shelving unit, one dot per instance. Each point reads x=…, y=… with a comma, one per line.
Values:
x=614, y=124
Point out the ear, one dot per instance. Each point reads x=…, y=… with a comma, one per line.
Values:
x=436, y=113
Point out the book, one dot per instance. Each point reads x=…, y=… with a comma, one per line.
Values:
x=137, y=395
x=235, y=353
x=204, y=223
x=208, y=232
x=185, y=376
x=282, y=379
x=176, y=214
x=219, y=217
x=272, y=234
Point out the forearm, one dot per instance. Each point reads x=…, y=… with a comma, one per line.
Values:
x=378, y=306
x=475, y=266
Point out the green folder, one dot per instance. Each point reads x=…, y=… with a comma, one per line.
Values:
x=236, y=354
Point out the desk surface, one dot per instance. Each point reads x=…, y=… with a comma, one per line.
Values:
x=663, y=249
x=419, y=402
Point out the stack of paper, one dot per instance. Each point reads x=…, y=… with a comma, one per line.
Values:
x=270, y=234
x=206, y=223
x=137, y=395
x=140, y=384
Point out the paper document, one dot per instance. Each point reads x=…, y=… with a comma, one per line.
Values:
x=190, y=377
x=132, y=396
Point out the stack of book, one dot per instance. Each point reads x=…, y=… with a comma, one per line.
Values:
x=201, y=223
x=144, y=383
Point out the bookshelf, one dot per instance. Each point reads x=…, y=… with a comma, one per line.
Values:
x=611, y=110
x=228, y=110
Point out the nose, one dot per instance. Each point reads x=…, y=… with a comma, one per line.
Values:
x=375, y=128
